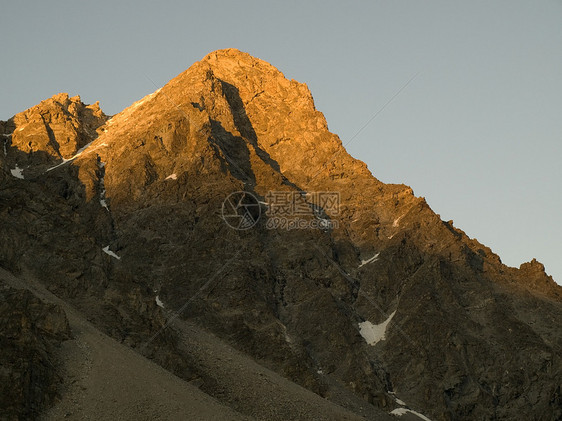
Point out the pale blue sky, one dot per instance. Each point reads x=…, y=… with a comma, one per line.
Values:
x=478, y=132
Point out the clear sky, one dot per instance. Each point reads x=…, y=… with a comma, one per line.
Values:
x=478, y=132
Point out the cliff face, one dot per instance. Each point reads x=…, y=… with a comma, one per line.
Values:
x=30, y=330
x=140, y=213
x=57, y=127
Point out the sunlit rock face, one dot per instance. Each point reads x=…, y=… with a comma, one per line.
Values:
x=150, y=188
x=58, y=126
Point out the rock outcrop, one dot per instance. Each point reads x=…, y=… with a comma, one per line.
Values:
x=30, y=331
x=56, y=129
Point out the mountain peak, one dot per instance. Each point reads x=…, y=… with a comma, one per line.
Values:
x=53, y=130
x=220, y=57
x=227, y=52
x=136, y=219
x=250, y=75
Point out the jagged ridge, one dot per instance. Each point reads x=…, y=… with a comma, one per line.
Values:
x=292, y=299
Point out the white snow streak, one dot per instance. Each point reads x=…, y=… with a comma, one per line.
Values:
x=397, y=221
x=126, y=113
x=78, y=153
x=371, y=260
x=5, y=144
x=398, y=401
x=172, y=177
x=398, y=412
x=102, y=185
x=159, y=302
x=374, y=333
x=107, y=251
x=143, y=100
x=17, y=172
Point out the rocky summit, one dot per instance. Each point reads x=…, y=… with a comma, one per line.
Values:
x=213, y=252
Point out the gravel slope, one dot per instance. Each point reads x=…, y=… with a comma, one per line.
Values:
x=254, y=390
x=105, y=380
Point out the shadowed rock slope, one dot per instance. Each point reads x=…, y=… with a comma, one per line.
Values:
x=135, y=219
x=30, y=330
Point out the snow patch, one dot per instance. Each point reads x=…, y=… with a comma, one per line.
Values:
x=374, y=333
x=172, y=177
x=397, y=221
x=17, y=172
x=398, y=412
x=103, y=202
x=6, y=144
x=82, y=149
x=143, y=100
x=126, y=113
x=78, y=153
x=159, y=302
x=398, y=401
x=371, y=260
x=107, y=251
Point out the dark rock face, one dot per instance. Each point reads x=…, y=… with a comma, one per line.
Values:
x=29, y=332
x=470, y=338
